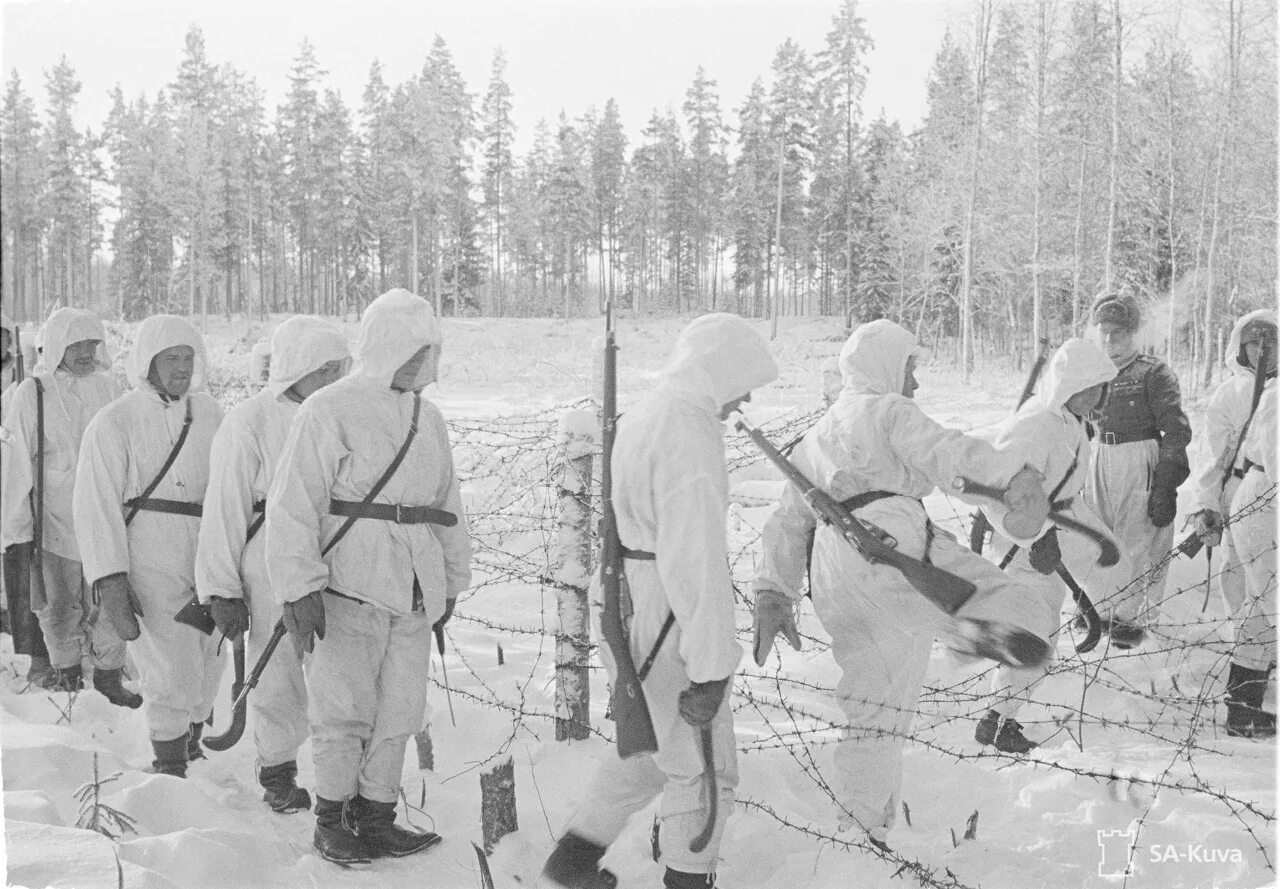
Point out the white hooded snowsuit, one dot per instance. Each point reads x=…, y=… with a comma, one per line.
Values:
x=73, y=628
x=1255, y=534
x=229, y=565
x=671, y=498
x=1223, y=419
x=882, y=630
x=385, y=583
x=1050, y=439
x=8, y=364
x=124, y=449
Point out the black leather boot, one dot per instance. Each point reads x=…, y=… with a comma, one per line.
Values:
x=283, y=794
x=678, y=879
x=171, y=757
x=575, y=864
x=109, y=683
x=375, y=823
x=194, y=750
x=65, y=679
x=40, y=674
x=1005, y=734
x=335, y=837
x=1245, y=717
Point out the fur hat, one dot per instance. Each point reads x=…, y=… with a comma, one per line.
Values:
x=1119, y=309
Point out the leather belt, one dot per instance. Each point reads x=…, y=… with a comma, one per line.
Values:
x=638, y=555
x=1119, y=438
x=159, y=504
x=393, y=512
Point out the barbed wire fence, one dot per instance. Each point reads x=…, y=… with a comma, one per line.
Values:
x=1168, y=693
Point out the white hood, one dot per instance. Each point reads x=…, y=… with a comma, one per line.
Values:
x=160, y=332
x=300, y=345
x=874, y=360
x=393, y=327
x=1075, y=366
x=67, y=326
x=1231, y=356
x=718, y=358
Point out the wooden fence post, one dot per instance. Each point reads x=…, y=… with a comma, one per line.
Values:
x=576, y=441
x=498, y=803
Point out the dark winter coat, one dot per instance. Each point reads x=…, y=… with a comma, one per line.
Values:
x=1145, y=396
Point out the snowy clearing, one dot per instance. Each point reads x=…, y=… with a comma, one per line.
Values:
x=1132, y=753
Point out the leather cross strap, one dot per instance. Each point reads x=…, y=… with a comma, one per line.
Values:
x=381, y=482
x=259, y=507
x=136, y=503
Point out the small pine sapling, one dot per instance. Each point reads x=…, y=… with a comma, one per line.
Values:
x=96, y=815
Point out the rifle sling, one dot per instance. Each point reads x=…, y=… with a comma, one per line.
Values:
x=640, y=555
x=380, y=483
x=136, y=503
x=37, y=493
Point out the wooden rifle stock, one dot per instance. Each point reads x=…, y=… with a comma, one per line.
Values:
x=628, y=705
x=944, y=589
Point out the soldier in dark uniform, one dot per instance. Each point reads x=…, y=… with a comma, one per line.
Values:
x=1139, y=457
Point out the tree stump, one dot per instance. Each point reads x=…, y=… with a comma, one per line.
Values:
x=577, y=445
x=426, y=750
x=498, y=803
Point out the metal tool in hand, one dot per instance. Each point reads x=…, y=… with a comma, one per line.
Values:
x=227, y=739
x=444, y=672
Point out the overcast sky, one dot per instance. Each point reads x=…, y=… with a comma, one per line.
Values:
x=561, y=54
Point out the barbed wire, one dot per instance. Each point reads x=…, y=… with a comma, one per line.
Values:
x=1163, y=695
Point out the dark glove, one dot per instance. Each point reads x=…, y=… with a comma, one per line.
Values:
x=1045, y=555
x=1208, y=525
x=231, y=615
x=1027, y=502
x=774, y=614
x=700, y=702
x=120, y=604
x=304, y=619
x=448, y=613
x=1162, y=505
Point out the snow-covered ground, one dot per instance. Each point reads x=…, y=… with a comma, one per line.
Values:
x=1133, y=753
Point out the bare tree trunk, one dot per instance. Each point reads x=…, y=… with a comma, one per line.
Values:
x=966, y=276
x=1222, y=161
x=1172, y=215
x=1077, y=250
x=775, y=279
x=577, y=448
x=1043, y=48
x=1113, y=159
x=413, y=259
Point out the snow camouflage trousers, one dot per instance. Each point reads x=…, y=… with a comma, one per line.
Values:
x=368, y=694
x=620, y=788
x=1255, y=622
x=74, y=628
x=882, y=632
x=1117, y=489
